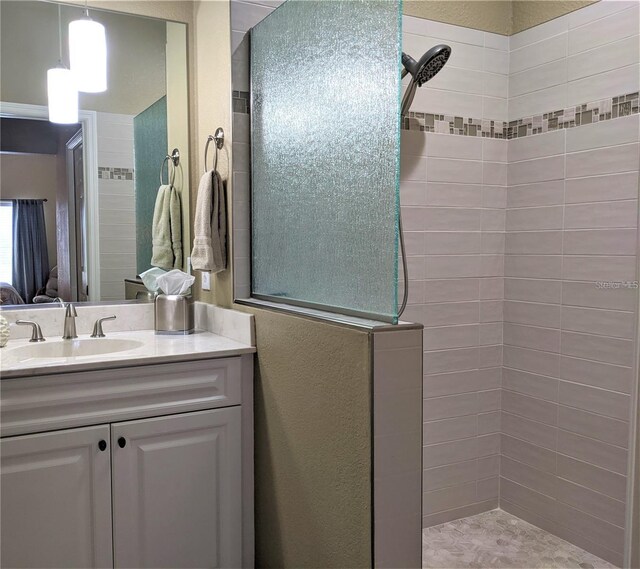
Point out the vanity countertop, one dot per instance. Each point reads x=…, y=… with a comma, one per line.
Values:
x=148, y=348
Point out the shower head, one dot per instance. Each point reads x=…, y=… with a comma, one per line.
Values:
x=428, y=65
x=423, y=70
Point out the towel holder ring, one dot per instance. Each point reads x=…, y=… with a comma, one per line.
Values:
x=174, y=157
x=218, y=137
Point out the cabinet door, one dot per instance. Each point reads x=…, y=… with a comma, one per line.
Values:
x=56, y=499
x=177, y=491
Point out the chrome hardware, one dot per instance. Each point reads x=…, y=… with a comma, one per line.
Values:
x=36, y=333
x=218, y=137
x=97, y=327
x=70, y=315
x=174, y=158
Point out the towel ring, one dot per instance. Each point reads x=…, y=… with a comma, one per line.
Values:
x=219, y=140
x=175, y=160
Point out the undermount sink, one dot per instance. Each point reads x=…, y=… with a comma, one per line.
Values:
x=75, y=348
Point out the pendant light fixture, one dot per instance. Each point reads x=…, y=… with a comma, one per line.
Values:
x=88, y=54
x=62, y=93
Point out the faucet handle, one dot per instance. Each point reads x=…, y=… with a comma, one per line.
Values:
x=36, y=332
x=97, y=327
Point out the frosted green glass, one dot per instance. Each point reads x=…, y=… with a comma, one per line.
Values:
x=325, y=119
x=150, y=140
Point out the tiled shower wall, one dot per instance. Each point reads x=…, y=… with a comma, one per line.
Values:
x=570, y=270
x=512, y=215
x=568, y=279
x=453, y=195
x=117, y=207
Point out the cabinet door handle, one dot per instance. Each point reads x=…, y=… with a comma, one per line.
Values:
x=102, y=445
x=122, y=442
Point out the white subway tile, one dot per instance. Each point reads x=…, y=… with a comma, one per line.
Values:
x=598, y=10
x=452, y=242
x=601, y=215
x=602, y=188
x=412, y=193
x=494, y=173
x=496, y=61
x=455, y=33
x=599, y=269
x=460, y=171
x=539, y=33
x=447, y=102
x=538, y=170
x=413, y=168
x=454, y=195
x=622, y=130
x=413, y=142
x=455, y=79
x=533, y=266
x=451, y=146
x=452, y=219
x=495, y=85
x=494, y=150
x=604, y=58
x=545, y=100
x=413, y=25
x=600, y=242
x=496, y=41
x=605, y=30
x=539, y=53
x=537, y=194
x=538, y=78
x=494, y=108
x=534, y=218
x=603, y=85
x=539, y=146
x=610, y=160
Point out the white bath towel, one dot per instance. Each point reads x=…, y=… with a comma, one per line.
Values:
x=166, y=231
x=210, y=226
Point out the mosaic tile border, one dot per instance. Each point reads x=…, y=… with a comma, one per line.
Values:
x=108, y=173
x=241, y=102
x=586, y=113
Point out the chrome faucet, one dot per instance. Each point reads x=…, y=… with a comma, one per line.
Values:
x=70, y=323
x=36, y=332
x=97, y=327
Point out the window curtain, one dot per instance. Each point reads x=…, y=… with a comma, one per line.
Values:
x=30, y=257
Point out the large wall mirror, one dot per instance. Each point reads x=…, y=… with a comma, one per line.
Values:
x=77, y=200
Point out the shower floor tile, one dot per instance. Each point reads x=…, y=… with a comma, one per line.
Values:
x=498, y=539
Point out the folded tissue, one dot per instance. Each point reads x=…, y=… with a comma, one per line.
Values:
x=150, y=278
x=175, y=282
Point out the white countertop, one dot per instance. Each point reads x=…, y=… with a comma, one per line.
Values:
x=155, y=349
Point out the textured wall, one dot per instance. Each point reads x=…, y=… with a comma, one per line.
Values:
x=488, y=15
x=313, y=444
x=32, y=176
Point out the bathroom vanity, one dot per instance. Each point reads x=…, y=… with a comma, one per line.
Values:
x=141, y=458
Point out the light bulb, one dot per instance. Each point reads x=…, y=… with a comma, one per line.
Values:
x=63, y=96
x=88, y=55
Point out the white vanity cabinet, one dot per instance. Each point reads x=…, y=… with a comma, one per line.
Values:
x=55, y=496
x=177, y=490
x=167, y=483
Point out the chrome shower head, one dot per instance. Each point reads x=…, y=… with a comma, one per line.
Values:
x=428, y=65
x=423, y=70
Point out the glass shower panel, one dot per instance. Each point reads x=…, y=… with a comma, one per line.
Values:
x=325, y=116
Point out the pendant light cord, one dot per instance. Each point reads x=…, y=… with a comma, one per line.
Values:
x=59, y=36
